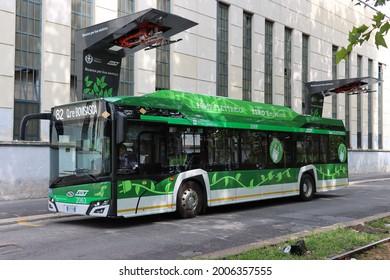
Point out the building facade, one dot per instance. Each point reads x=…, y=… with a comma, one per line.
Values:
x=261, y=51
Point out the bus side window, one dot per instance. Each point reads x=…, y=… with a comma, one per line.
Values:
x=324, y=148
x=334, y=143
x=176, y=153
x=152, y=152
x=253, y=150
x=191, y=144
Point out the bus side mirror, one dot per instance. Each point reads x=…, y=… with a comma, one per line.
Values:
x=121, y=126
x=27, y=118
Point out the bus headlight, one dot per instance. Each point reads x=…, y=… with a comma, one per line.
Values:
x=51, y=205
x=99, y=208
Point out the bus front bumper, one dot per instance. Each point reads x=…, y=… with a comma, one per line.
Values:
x=98, y=209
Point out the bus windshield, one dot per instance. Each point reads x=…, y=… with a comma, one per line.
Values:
x=79, y=149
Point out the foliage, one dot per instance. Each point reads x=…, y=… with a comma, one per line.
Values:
x=320, y=245
x=379, y=28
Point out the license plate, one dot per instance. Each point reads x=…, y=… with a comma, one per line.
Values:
x=70, y=208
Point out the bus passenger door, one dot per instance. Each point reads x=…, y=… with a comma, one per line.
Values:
x=152, y=153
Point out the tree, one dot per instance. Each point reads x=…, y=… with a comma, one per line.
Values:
x=379, y=28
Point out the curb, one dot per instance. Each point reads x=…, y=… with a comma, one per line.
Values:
x=35, y=218
x=283, y=238
x=368, y=181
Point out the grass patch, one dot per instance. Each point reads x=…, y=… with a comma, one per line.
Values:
x=322, y=245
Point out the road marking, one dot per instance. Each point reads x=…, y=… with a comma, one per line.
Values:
x=23, y=222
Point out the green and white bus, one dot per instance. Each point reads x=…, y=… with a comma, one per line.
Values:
x=172, y=151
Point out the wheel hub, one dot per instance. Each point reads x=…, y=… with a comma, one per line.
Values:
x=190, y=199
x=307, y=188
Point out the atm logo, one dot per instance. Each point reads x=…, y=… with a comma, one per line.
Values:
x=81, y=193
x=113, y=63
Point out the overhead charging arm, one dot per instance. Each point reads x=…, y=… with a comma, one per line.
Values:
x=315, y=92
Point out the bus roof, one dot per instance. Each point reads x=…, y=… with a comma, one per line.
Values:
x=205, y=110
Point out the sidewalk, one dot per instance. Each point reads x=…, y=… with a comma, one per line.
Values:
x=19, y=211
x=370, y=177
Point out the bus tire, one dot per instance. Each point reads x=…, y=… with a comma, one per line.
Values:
x=189, y=200
x=306, y=187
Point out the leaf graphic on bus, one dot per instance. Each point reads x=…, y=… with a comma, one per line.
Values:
x=251, y=184
x=214, y=179
x=226, y=181
x=152, y=186
x=279, y=176
x=137, y=189
x=288, y=173
x=271, y=175
x=168, y=187
x=238, y=176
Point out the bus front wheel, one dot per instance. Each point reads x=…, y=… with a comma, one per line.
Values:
x=189, y=200
x=306, y=188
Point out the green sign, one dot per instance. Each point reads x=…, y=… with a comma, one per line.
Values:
x=342, y=152
x=276, y=150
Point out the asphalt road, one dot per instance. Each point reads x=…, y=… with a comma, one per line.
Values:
x=11, y=211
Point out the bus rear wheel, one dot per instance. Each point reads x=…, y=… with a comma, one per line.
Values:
x=189, y=200
x=306, y=188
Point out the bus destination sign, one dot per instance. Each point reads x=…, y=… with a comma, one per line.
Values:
x=76, y=111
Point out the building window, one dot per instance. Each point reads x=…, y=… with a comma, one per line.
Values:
x=347, y=102
x=27, y=65
x=81, y=18
x=247, y=57
x=287, y=66
x=222, y=49
x=359, y=105
x=126, y=83
x=370, y=108
x=268, y=83
x=334, y=77
x=163, y=54
x=380, y=106
x=305, y=66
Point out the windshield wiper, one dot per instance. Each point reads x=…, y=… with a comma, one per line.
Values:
x=56, y=181
x=83, y=171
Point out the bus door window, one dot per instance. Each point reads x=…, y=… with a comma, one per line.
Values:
x=184, y=148
x=152, y=152
x=177, y=155
x=144, y=150
x=191, y=145
x=219, y=150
